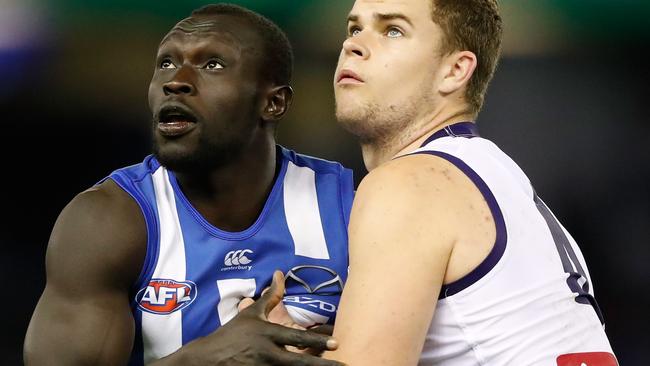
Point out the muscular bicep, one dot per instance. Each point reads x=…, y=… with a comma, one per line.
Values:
x=402, y=232
x=94, y=255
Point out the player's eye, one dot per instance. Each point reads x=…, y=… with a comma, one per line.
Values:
x=353, y=31
x=167, y=64
x=213, y=65
x=394, y=32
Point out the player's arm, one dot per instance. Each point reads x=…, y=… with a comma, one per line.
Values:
x=406, y=220
x=94, y=255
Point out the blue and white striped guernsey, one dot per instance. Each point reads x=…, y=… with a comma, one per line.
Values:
x=195, y=274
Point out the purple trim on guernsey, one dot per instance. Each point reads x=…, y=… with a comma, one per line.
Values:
x=469, y=130
x=460, y=129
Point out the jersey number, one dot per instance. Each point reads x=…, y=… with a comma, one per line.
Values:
x=577, y=280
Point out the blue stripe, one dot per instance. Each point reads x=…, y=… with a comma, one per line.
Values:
x=501, y=238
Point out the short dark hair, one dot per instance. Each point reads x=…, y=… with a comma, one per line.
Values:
x=276, y=45
x=476, y=26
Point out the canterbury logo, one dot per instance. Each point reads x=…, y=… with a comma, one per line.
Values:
x=237, y=257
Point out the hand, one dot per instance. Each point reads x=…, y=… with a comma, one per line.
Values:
x=280, y=315
x=249, y=339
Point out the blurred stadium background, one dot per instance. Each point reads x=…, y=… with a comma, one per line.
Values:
x=567, y=103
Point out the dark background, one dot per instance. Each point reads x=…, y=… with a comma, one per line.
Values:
x=568, y=103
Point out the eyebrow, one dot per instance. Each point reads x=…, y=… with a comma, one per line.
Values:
x=383, y=17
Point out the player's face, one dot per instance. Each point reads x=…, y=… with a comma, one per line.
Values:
x=204, y=92
x=386, y=74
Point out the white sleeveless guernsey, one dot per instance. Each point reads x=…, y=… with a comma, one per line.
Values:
x=530, y=302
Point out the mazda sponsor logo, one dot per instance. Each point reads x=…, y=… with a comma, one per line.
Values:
x=315, y=278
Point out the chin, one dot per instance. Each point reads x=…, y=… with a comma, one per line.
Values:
x=355, y=117
x=200, y=160
x=356, y=123
x=373, y=123
x=176, y=160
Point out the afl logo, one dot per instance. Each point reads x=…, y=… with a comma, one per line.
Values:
x=165, y=296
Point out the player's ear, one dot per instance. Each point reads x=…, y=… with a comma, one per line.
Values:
x=458, y=69
x=278, y=101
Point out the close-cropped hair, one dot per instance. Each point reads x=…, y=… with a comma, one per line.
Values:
x=277, y=49
x=476, y=26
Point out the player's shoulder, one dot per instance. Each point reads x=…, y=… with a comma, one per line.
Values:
x=103, y=228
x=413, y=176
x=410, y=200
x=106, y=200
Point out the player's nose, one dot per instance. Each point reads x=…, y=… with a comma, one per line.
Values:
x=354, y=46
x=180, y=84
x=178, y=87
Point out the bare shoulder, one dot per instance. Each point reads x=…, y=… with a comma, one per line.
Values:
x=101, y=232
x=406, y=197
x=421, y=194
x=419, y=180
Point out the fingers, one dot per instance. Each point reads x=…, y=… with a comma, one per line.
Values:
x=325, y=329
x=302, y=339
x=271, y=298
x=298, y=359
x=280, y=315
x=246, y=302
x=266, y=290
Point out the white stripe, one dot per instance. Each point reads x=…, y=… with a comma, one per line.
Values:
x=302, y=212
x=232, y=291
x=163, y=334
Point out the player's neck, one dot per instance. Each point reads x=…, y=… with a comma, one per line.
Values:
x=232, y=196
x=404, y=142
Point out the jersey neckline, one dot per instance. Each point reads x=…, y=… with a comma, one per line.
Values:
x=466, y=129
x=261, y=218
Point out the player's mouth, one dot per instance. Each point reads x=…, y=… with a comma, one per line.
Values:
x=348, y=77
x=175, y=120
